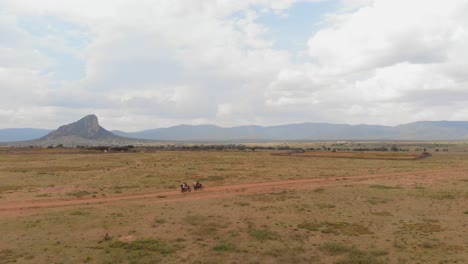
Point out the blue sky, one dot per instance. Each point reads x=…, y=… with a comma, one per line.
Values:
x=243, y=62
x=67, y=65
x=288, y=30
x=292, y=30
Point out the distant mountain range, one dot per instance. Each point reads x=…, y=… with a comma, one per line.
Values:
x=87, y=131
x=19, y=134
x=425, y=130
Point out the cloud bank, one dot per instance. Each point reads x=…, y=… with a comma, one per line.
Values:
x=153, y=64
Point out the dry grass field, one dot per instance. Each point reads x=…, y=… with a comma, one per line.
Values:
x=75, y=206
x=357, y=155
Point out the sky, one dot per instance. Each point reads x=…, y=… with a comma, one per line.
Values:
x=157, y=63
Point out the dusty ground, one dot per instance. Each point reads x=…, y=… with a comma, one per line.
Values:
x=255, y=209
x=402, y=179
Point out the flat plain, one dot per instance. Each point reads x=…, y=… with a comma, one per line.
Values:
x=76, y=206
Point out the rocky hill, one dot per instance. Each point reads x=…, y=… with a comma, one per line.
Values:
x=88, y=128
x=84, y=132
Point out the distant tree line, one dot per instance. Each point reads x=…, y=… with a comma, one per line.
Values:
x=236, y=147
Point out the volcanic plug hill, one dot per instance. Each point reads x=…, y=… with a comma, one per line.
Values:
x=84, y=132
x=88, y=128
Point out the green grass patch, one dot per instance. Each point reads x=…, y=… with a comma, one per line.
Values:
x=79, y=213
x=444, y=195
x=382, y=213
x=319, y=190
x=9, y=188
x=147, y=244
x=123, y=187
x=215, y=178
x=224, y=246
x=384, y=187
x=352, y=255
x=361, y=257
x=7, y=256
x=206, y=226
x=325, y=206
x=423, y=227
x=158, y=221
x=334, y=249
x=309, y=226
x=336, y=228
x=263, y=234
x=44, y=195
x=79, y=193
x=196, y=220
x=344, y=228
x=376, y=200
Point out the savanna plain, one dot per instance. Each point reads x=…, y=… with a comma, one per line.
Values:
x=83, y=206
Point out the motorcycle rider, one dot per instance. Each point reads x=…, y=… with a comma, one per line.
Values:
x=197, y=185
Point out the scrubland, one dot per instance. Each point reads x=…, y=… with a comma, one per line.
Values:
x=351, y=210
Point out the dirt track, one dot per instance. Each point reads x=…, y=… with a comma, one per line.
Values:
x=404, y=178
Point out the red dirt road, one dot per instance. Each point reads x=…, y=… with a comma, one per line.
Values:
x=404, y=178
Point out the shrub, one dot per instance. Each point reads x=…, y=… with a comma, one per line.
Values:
x=148, y=244
x=263, y=234
x=334, y=249
x=224, y=246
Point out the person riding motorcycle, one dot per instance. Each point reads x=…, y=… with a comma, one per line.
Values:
x=197, y=185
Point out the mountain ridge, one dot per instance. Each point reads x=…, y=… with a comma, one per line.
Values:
x=88, y=129
x=421, y=130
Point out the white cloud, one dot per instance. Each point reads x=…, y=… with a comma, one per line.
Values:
x=387, y=32
x=371, y=61
x=153, y=64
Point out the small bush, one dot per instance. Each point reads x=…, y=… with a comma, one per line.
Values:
x=79, y=193
x=357, y=256
x=424, y=227
x=309, y=226
x=79, y=213
x=9, y=188
x=263, y=234
x=384, y=187
x=215, y=178
x=148, y=244
x=44, y=195
x=325, y=206
x=336, y=228
x=443, y=195
x=196, y=220
x=157, y=222
x=9, y=256
x=382, y=213
x=352, y=255
x=224, y=246
x=334, y=249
